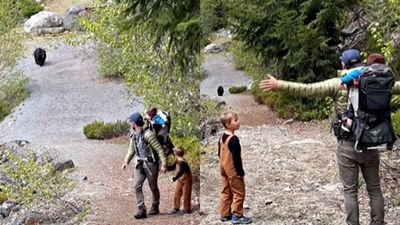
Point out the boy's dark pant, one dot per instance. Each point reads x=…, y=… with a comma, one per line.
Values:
x=232, y=195
x=350, y=162
x=183, y=187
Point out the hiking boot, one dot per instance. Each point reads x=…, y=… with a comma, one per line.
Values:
x=153, y=210
x=141, y=213
x=225, y=218
x=241, y=220
x=175, y=211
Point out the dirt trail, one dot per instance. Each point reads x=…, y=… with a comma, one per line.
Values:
x=291, y=172
x=66, y=94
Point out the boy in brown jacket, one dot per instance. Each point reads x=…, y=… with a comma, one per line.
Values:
x=184, y=185
x=232, y=173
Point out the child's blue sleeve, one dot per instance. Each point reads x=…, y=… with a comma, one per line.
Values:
x=158, y=120
x=352, y=75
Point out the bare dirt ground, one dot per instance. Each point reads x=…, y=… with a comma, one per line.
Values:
x=291, y=171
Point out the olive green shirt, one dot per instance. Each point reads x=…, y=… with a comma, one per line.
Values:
x=153, y=147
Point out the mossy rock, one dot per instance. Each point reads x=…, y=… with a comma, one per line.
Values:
x=2, y=198
x=101, y=130
x=237, y=89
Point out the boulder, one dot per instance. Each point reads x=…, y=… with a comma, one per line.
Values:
x=43, y=19
x=63, y=165
x=216, y=47
x=5, y=208
x=52, y=30
x=71, y=17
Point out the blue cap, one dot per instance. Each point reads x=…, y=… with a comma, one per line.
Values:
x=137, y=119
x=350, y=57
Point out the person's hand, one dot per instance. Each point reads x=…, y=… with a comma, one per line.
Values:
x=163, y=169
x=124, y=166
x=269, y=84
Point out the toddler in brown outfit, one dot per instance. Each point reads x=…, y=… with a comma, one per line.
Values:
x=232, y=173
x=184, y=185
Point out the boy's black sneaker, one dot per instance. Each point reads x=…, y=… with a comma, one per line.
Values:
x=225, y=218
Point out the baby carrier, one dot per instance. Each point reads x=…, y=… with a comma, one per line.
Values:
x=162, y=132
x=372, y=123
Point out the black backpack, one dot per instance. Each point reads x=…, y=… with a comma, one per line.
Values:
x=373, y=125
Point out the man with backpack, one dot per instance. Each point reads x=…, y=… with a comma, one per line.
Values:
x=370, y=90
x=147, y=153
x=349, y=160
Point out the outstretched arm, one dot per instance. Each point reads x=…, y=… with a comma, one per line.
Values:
x=327, y=88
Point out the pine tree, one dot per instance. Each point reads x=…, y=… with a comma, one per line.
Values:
x=300, y=37
x=175, y=22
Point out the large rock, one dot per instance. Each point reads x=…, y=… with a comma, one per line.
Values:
x=71, y=17
x=6, y=208
x=63, y=165
x=394, y=38
x=216, y=47
x=43, y=19
x=52, y=30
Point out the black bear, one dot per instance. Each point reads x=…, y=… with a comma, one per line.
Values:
x=40, y=56
x=220, y=91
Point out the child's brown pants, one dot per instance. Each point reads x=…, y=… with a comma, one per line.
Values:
x=183, y=187
x=232, y=196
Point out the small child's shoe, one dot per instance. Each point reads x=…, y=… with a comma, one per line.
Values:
x=225, y=218
x=175, y=211
x=241, y=220
x=186, y=211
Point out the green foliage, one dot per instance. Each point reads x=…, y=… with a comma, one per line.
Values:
x=12, y=94
x=12, y=91
x=10, y=47
x=151, y=68
x=28, y=7
x=385, y=21
x=397, y=201
x=395, y=103
x=31, y=181
x=102, y=130
x=192, y=148
x=213, y=15
x=360, y=182
x=82, y=214
x=298, y=37
x=286, y=106
x=158, y=45
x=396, y=122
x=3, y=198
x=108, y=62
x=175, y=24
x=235, y=89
